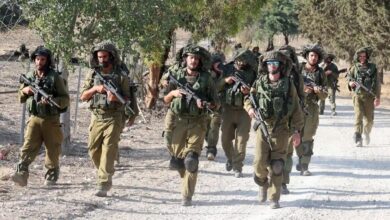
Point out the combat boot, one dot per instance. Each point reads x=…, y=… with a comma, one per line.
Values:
x=334, y=113
x=358, y=139
x=366, y=138
x=103, y=189
x=229, y=165
x=51, y=176
x=20, y=176
x=211, y=152
x=186, y=201
x=263, y=192
x=238, y=174
x=305, y=170
x=275, y=204
x=285, y=190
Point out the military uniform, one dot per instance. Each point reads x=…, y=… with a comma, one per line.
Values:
x=235, y=120
x=43, y=125
x=305, y=150
x=107, y=119
x=363, y=102
x=279, y=104
x=332, y=81
x=190, y=122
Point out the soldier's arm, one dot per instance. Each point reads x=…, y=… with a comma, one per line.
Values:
x=335, y=71
x=62, y=94
x=213, y=94
x=88, y=90
x=21, y=95
x=297, y=115
x=321, y=94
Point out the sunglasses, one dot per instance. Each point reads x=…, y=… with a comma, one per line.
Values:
x=273, y=63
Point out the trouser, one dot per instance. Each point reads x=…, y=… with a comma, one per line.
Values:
x=188, y=135
x=169, y=125
x=213, y=126
x=305, y=149
x=42, y=130
x=363, y=106
x=264, y=157
x=235, y=126
x=289, y=162
x=331, y=98
x=104, y=136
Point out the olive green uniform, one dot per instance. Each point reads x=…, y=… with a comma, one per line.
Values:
x=363, y=101
x=190, y=123
x=331, y=85
x=305, y=149
x=106, y=125
x=44, y=126
x=279, y=104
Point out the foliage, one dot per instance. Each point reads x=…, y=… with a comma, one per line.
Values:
x=344, y=26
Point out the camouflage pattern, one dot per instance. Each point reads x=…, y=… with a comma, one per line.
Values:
x=332, y=81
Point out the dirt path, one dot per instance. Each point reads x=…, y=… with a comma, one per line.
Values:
x=348, y=182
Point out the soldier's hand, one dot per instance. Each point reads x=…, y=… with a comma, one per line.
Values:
x=251, y=113
x=176, y=93
x=229, y=79
x=44, y=101
x=245, y=90
x=27, y=90
x=296, y=139
x=308, y=89
x=316, y=89
x=111, y=97
x=377, y=102
x=164, y=83
x=352, y=84
x=100, y=89
x=199, y=103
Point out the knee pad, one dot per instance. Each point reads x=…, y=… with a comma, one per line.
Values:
x=176, y=163
x=258, y=181
x=307, y=148
x=211, y=149
x=277, y=167
x=191, y=162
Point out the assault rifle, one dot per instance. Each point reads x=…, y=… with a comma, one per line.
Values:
x=110, y=86
x=238, y=81
x=259, y=122
x=189, y=94
x=309, y=82
x=38, y=91
x=360, y=85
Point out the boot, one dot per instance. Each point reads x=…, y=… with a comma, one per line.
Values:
x=358, y=139
x=186, y=201
x=334, y=113
x=229, y=165
x=366, y=139
x=274, y=204
x=305, y=170
x=103, y=189
x=51, y=176
x=263, y=193
x=238, y=174
x=211, y=152
x=20, y=176
x=285, y=190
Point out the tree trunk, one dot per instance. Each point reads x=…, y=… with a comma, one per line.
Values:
x=152, y=86
x=286, y=41
x=65, y=117
x=270, y=45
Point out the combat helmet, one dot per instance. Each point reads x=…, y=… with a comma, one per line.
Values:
x=104, y=46
x=285, y=61
x=43, y=51
x=330, y=56
x=313, y=48
x=289, y=51
x=248, y=57
x=204, y=55
x=368, y=51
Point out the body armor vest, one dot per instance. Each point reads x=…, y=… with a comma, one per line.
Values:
x=99, y=100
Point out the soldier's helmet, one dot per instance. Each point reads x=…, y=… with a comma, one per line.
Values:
x=367, y=50
x=248, y=57
x=204, y=55
x=285, y=62
x=289, y=51
x=217, y=58
x=330, y=56
x=43, y=51
x=313, y=48
x=104, y=46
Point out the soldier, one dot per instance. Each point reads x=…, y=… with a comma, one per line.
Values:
x=314, y=88
x=107, y=111
x=297, y=79
x=235, y=84
x=364, y=81
x=278, y=102
x=190, y=114
x=332, y=75
x=256, y=52
x=43, y=125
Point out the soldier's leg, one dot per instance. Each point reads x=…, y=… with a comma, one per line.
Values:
x=359, y=110
x=260, y=165
x=309, y=131
x=287, y=167
x=108, y=154
x=369, y=118
x=242, y=136
x=322, y=107
x=213, y=136
x=95, y=141
x=188, y=187
x=332, y=100
x=52, y=137
x=169, y=125
x=30, y=149
x=227, y=136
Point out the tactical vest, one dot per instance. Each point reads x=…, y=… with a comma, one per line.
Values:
x=185, y=105
x=47, y=83
x=235, y=98
x=316, y=77
x=365, y=75
x=99, y=100
x=273, y=99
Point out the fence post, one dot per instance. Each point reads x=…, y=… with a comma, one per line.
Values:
x=23, y=121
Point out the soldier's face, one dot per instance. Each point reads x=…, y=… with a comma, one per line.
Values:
x=40, y=62
x=192, y=61
x=103, y=58
x=312, y=58
x=362, y=57
x=273, y=77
